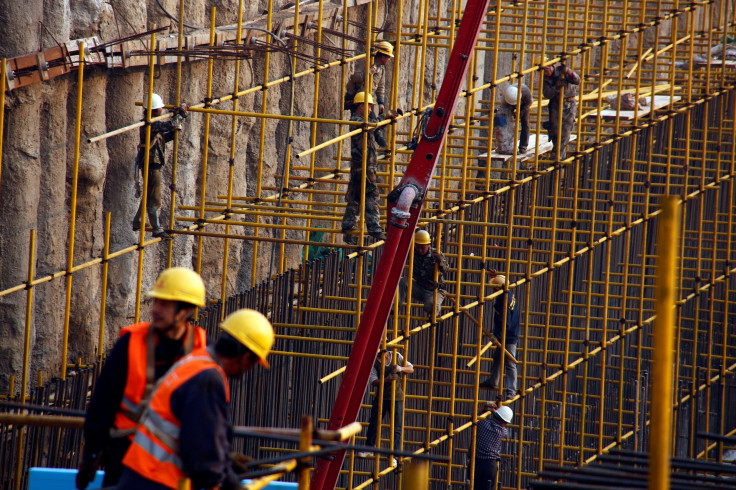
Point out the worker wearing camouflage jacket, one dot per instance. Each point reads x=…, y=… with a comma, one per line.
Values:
x=384, y=52
x=161, y=133
x=560, y=86
x=423, y=285
x=353, y=195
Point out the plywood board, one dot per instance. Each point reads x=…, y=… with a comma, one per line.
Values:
x=659, y=102
x=545, y=146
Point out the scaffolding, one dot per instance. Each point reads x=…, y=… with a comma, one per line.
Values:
x=575, y=238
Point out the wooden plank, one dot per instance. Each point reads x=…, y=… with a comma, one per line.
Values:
x=659, y=102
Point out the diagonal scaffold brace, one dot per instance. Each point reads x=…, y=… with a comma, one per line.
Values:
x=405, y=205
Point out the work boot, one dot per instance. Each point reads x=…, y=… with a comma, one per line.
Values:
x=378, y=234
x=350, y=239
x=488, y=384
x=161, y=233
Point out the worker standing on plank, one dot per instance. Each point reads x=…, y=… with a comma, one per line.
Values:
x=142, y=354
x=383, y=53
x=504, y=121
x=509, y=338
x=161, y=133
x=560, y=86
x=353, y=195
x=186, y=430
x=491, y=432
x=423, y=284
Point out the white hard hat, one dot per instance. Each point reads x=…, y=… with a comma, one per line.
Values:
x=504, y=413
x=498, y=281
x=156, y=102
x=511, y=95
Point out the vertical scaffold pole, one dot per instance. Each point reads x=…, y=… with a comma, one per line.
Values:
x=661, y=418
x=73, y=212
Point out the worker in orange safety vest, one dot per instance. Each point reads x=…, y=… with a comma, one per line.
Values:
x=142, y=354
x=185, y=431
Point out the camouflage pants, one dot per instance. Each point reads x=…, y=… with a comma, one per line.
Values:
x=153, y=201
x=422, y=295
x=569, y=109
x=352, y=198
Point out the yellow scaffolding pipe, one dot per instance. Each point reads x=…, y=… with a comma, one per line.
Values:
x=73, y=211
x=661, y=420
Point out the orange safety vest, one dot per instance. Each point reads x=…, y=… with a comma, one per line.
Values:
x=141, y=373
x=154, y=453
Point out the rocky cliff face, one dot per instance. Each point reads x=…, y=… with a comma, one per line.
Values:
x=38, y=158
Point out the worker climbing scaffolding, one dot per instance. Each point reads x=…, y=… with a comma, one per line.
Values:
x=374, y=137
x=383, y=53
x=161, y=133
x=560, y=86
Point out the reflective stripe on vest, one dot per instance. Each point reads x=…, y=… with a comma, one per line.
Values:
x=138, y=386
x=157, y=451
x=154, y=453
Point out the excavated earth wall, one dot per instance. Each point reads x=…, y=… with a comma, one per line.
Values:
x=38, y=158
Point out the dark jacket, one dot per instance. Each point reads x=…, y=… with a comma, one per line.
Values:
x=423, y=272
x=562, y=77
x=513, y=318
x=161, y=133
x=106, y=398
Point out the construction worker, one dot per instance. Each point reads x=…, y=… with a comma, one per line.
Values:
x=186, y=431
x=504, y=121
x=560, y=86
x=423, y=285
x=391, y=373
x=511, y=338
x=490, y=433
x=161, y=133
x=382, y=54
x=352, y=197
x=142, y=354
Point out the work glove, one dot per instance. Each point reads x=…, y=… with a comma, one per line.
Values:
x=86, y=473
x=182, y=109
x=138, y=191
x=381, y=108
x=240, y=462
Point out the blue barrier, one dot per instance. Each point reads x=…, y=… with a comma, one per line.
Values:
x=58, y=479
x=63, y=479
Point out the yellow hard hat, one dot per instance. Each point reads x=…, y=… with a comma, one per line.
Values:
x=384, y=47
x=251, y=329
x=422, y=238
x=498, y=281
x=179, y=284
x=360, y=98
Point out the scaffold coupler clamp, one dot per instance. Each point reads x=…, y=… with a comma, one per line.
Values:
x=406, y=196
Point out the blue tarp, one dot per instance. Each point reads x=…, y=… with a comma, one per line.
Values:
x=63, y=479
